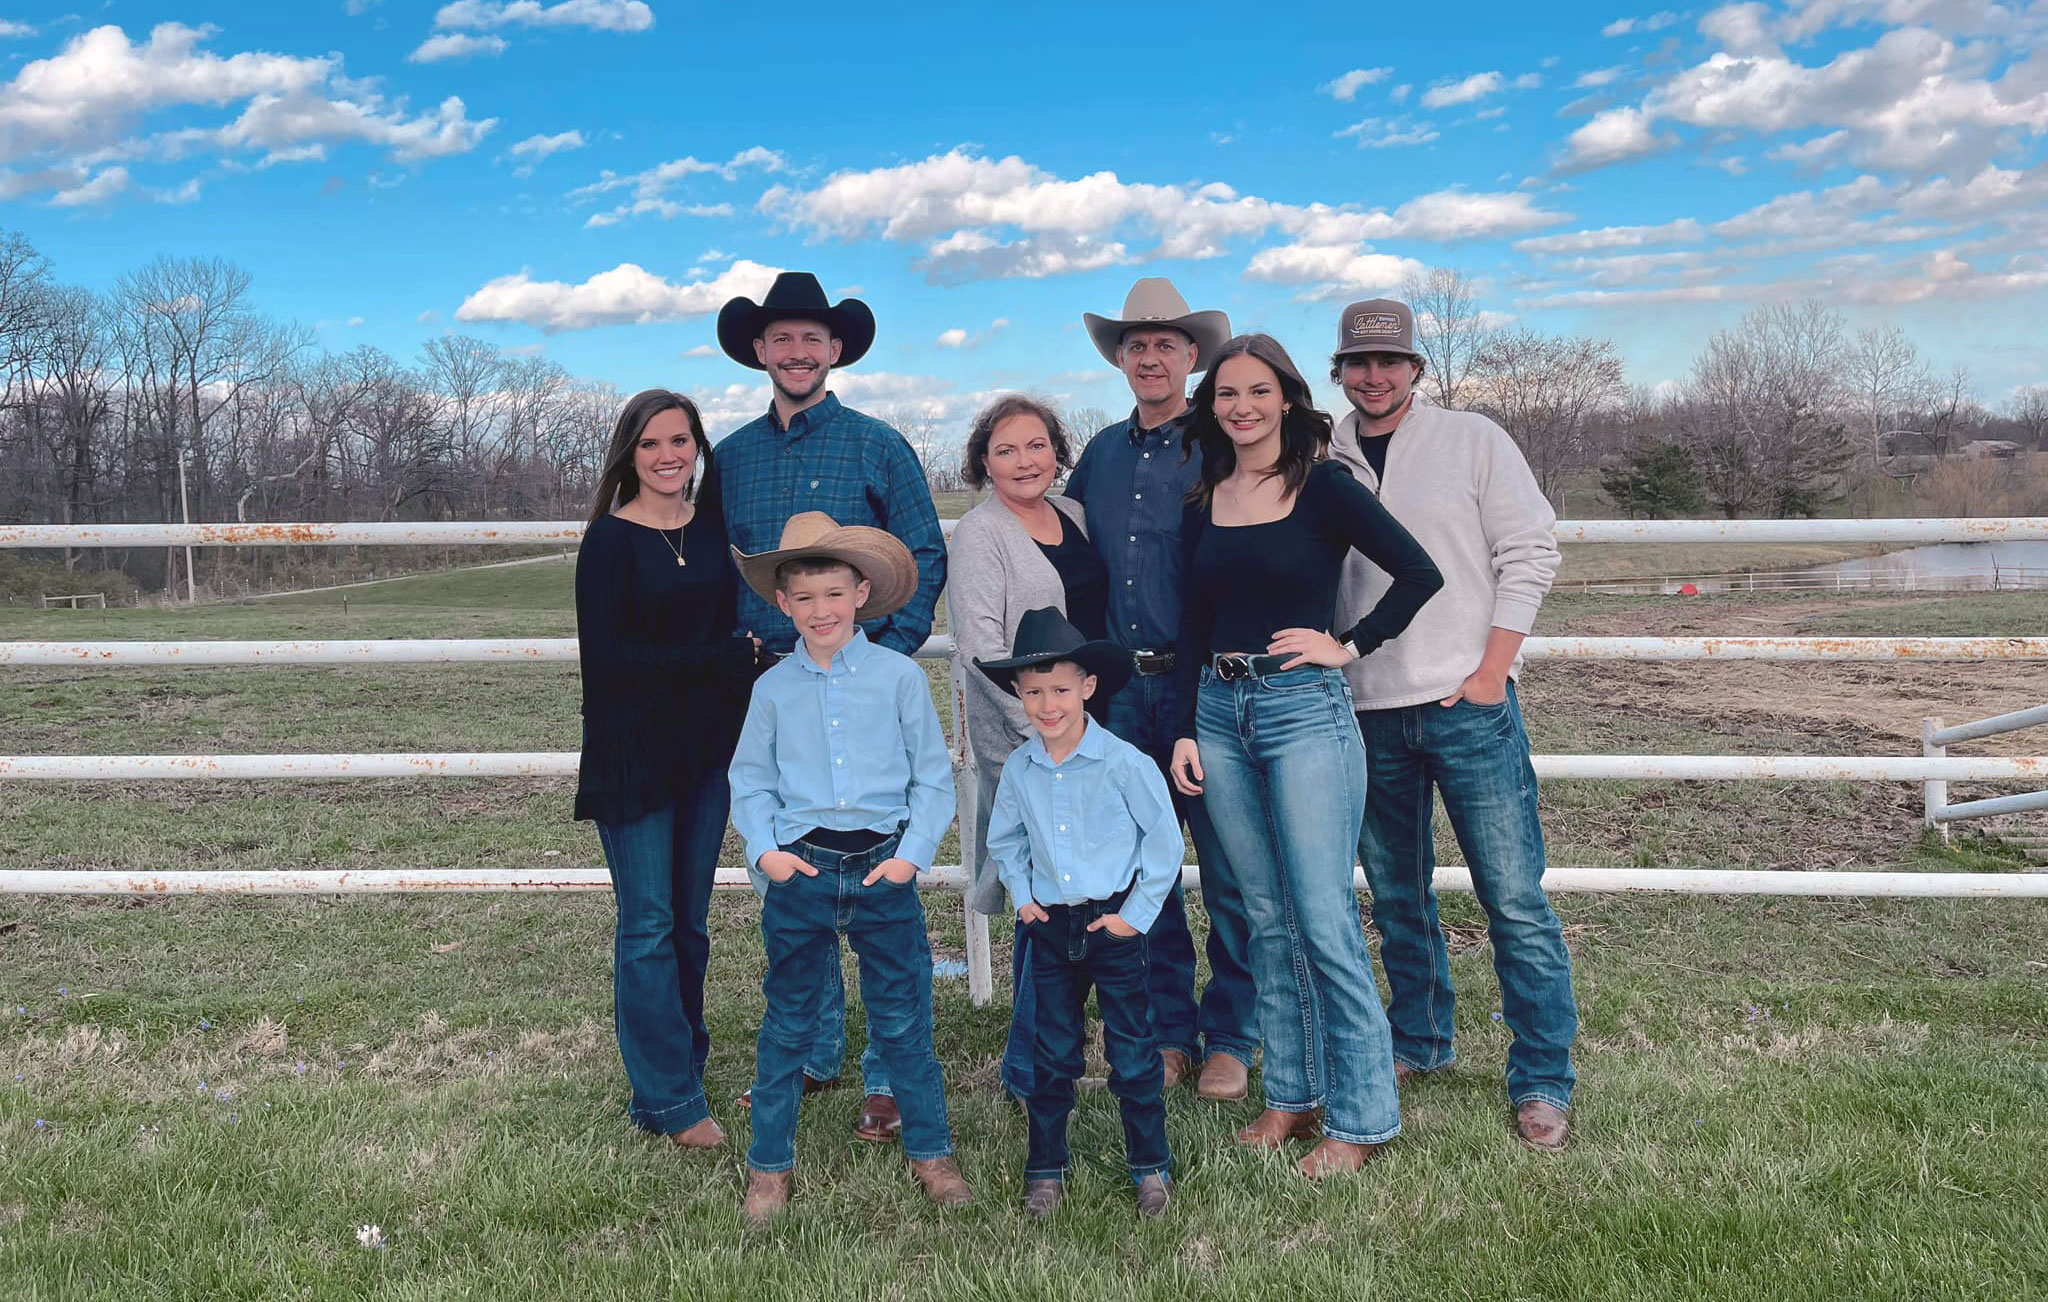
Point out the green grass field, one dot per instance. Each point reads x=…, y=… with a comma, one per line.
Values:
x=206, y=1098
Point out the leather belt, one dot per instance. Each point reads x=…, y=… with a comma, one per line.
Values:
x=1230, y=666
x=1150, y=663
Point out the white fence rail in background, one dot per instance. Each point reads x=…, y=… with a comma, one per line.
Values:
x=1935, y=741
x=1933, y=769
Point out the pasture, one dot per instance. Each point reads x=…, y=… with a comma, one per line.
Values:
x=207, y=1098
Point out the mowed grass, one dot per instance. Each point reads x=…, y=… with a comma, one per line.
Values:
x=1779, y=1098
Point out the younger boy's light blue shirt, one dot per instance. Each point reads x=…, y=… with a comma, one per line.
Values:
x=1086, y=827
x=855, y=747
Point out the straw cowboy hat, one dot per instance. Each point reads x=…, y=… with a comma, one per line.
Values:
x=1044, y=637
x=875, y=554
x=1154, y=303
x=795, y=296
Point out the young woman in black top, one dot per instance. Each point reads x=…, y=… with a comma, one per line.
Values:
x=665, y=685
x=1267, y=736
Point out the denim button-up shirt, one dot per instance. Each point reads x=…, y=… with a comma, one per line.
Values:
x=1086, y=827
x=1131, y=481
x=855, y=469
x=855, y=747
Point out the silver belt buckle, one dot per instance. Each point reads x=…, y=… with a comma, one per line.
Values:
x=1232, y=666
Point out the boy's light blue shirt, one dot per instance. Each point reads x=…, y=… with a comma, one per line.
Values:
x=1081, y=829
x=853, y=748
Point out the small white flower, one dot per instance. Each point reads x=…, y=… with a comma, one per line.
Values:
x=370, y=1237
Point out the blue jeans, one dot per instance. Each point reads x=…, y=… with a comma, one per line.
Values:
x=1284, y=777
x=1066, y=959
x=1477, y=756
x=801, y=922
x=662, y=866
x=1226, y=1020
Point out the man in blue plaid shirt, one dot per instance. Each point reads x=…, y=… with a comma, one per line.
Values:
x=809, y=452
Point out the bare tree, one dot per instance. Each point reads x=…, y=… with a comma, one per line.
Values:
x=1760, y=410
x=1544, y=390
x=1951, y=407
x=1450, y=330
x=2030, y=409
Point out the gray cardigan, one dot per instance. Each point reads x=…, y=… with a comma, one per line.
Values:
x=994, y=573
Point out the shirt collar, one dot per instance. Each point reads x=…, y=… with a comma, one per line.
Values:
x=1092, y=747
x=852, y=656
x=1169, y=430
x=809, y=418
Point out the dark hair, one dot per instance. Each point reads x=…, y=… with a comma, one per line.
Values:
x=1337, y=364
x=972, y=467
x=797, y=565
x=1304, y=431
x=619, y=483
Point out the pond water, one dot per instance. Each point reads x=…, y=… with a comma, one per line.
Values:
x=1947, y=561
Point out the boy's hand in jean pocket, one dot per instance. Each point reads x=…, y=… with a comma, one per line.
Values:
x=898, y=872
x=780, y=865
x=1030, y=912
x=1114, y=924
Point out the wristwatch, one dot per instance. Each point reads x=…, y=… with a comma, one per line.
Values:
x=1350, y=648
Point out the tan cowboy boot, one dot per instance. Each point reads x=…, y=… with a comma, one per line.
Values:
x=1336, y=1157
x=942, y=1181
x=1273, y=1128
x=1175, y=1066
x=1224, y=1079
x=705, y=1134
x=767, y=1196
x=1041, y=1197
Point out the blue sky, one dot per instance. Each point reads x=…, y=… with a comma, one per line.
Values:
x=591, y=178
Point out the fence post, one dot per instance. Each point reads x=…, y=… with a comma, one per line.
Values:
x=1933, y=794
x=966, y=779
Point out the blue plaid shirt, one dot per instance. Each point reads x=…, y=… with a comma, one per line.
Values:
x=855, y=469
x=1130, y=482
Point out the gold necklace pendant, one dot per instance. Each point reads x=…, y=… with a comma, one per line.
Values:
x=675, y=546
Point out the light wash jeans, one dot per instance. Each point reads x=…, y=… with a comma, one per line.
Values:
x=1477, y=758
x=1284, y=780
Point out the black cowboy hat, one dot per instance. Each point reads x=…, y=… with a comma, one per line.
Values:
x=1045, y=637
x=795, y=296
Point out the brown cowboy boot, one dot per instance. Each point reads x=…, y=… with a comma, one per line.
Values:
x=942, y=1181
x=1174, y=1065
x=880, y=1122
x=1224, y=1079
x=1154, y=1193
x=1336, y=1157
x=767, y=1196
x=1543, y=1126
x=705, y=1134
x=1041, y=1197
x=1273, y=1128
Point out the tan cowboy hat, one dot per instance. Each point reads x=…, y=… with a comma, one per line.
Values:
x=1153, y=302
x=878, y=555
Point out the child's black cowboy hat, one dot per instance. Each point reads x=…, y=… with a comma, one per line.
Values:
x=795, y=296
x=1045, y=637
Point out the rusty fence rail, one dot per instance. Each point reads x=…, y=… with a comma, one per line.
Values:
x=1935, y=740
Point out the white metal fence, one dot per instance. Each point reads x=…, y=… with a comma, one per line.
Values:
x=1929, y=769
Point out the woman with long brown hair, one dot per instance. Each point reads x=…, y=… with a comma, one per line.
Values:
x=1267, y=736
x=665, y=684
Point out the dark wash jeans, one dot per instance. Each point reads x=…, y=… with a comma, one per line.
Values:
x=801, y=922
x=662, y=866
x=1226, y=1019
x=1066, y=959
x=1477, y=756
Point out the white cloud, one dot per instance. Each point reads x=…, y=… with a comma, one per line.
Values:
x=1334, y=271
x=541, y=147
x=354, y=321
x=1810, y=153
x=626, y=294
x=961, y=338
x=651, y=187
x=83, y=103
x=1399, y=94
x=106, y=185
x=1477, y=86
x=428, y=317
x=1656, y=22
x=1347, y=86
x=455, y=45
x=601, y=15
x=1598, y=77
x=1683, y=231
x=9, y=29
x=961, y=207
x=701, y=350
x=1529, y=81
x=1741, y=29
x=1713, y=293
x=1388, y=133
x=1611, y=137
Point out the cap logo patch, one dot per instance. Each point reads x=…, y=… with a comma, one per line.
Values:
x=1376, y=323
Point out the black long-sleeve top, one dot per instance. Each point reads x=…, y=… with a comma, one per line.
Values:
x=665, y=680
x=1247, y=582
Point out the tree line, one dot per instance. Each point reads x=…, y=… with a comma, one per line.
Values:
x=172, y=393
